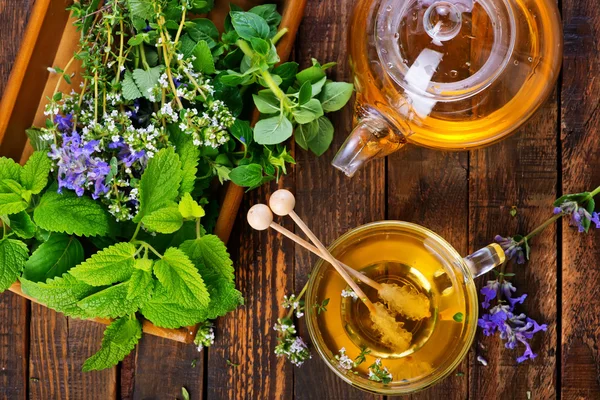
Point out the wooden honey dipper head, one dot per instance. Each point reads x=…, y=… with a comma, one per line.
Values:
x=282, y=202
x=260, y=217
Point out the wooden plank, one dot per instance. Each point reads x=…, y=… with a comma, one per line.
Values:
x=59, y=346
x=245, y=337
x=580, y=136
x=328, y=201
x=163, y=367
x=520, y=171
x=430, y=188
x=14, y=328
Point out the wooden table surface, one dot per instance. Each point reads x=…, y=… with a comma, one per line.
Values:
x=466, y=197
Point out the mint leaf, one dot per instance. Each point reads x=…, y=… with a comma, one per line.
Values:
x=267, y=103
x=165, y=220
x=129, y=88
x=189, y=155
x=209, y=255
x=60, y=294
x=335, y=95
x=204, y=61
x=70, y=214
x=321, y=142
x=53, y=258
x=22, y=225
x=304, y=133
x=13, y=255
x=159, y=184
x=189, y=208
x=165, y=312
x=146, y=80
x=247, y=175
x=9, y=169
x=308, y=112
x=113, y=264
x=120, y=338
x=11, y=203
x=181, y=279
x=249, y=25
x=273, y=130
x=113, y=301
x=34, y=175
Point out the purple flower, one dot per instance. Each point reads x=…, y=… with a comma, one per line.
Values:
x=64, y=124
x=78, y=169
x=126, y=154
x=501, y=318
x=148, y=28
x=512, y=248
x=580, y=217
x=596, y=219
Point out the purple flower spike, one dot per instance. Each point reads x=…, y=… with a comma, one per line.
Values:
x=64, y=124
x=489, y=292
x=511, y=248
x=596, y=219
x=579, y=215
x=507, y=290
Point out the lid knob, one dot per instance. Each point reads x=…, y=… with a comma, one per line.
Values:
x=442, y=21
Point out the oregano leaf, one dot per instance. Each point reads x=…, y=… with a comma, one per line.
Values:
x=335, y=95
x=273, y=130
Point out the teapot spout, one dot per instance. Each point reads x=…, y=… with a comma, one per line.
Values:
x=373, y=137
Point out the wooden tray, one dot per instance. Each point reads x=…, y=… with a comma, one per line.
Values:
x=50, y=40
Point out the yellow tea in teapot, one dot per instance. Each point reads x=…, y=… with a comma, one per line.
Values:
x=431, y=306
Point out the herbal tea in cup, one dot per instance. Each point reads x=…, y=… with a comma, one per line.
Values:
x=427, y=297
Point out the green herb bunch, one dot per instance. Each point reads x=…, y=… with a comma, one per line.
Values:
x=112, y=215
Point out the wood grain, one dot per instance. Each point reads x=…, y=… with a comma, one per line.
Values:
x=245, y=337
x=59, y=346
x=580, y=137
x=14, y=327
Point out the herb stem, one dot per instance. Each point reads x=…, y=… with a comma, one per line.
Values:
x=96, y=96
x=63, y=74
x=143, y=55
x=595, y=192
x=198, y=236
x=541, y=228
x=279, y=35
x=268, y=78
x=120, y=63
x=300, y=295
x=137, y=230
x=183, y=14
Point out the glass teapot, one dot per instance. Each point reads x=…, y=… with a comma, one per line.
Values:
x=447, y=74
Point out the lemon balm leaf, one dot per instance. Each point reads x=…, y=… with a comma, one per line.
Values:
x=13, y=255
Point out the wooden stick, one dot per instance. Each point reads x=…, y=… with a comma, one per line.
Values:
x=290, y=235
x=327, y=255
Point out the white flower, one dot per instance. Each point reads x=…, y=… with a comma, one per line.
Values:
x=349, y=293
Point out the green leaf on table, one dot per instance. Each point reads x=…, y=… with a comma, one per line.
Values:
x=60, y=294
x=53, y=258
x=13, y=255
x=112, y=264
x=129, y=88
x=247, y=175
x=305, y=93
x=114, y=301
x=71, y=214
x=267, y=103
x=11, y=203
x=335, y=95
x=146, y=80
x=9, y=169
x=209, y=254
x=189, y=208
x=180, y=277
x=273, y=130
x=203, y=29
x=321, y=142
x=164, y=220
x=249, y=25
x=34, y=174
x=159, y=184
x=166, y=312
x=120, y=338
x=308, y=112
x=143, y=9
x=22, y=225
x=204, y=61
x=305, y=133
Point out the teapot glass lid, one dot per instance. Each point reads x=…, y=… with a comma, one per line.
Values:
x=446, y=50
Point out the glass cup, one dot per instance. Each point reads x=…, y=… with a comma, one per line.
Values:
x=408, y=255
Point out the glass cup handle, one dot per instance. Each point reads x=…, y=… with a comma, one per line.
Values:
x=486, y=259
